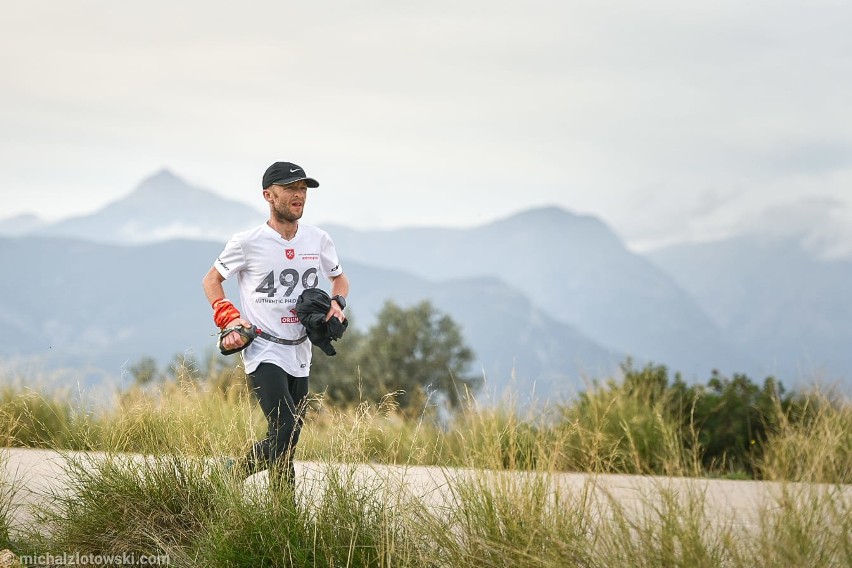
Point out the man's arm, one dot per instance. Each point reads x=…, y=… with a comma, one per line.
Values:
x=339, y=287
x=212, y=284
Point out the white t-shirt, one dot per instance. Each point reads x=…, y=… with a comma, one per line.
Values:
x=271, y=273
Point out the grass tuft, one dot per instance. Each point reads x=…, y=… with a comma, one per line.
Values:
x=131, y=504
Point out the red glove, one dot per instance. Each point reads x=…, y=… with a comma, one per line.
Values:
x=224, y=312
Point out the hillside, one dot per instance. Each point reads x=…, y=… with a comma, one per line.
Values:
x=162, y=207
x=546, y=293
x=774, y=296
x=102, y=307
x=573, y=268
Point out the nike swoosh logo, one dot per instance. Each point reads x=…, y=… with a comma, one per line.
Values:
x=296, y=170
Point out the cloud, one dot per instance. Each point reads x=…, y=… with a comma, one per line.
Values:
x=823, y=224
x=653, y=115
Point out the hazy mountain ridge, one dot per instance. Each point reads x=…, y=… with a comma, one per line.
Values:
x=162, y=207
x=20, y=224
x=572, y=267
x=102, y=307
x=764, y=303
x=775, y=297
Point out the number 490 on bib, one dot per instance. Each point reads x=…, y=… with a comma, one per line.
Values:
x=289, y=278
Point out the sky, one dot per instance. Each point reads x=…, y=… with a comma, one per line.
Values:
x=669, y=120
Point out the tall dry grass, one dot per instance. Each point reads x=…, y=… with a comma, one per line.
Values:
x=503, y=498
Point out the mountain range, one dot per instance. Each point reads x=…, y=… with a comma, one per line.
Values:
x=162, y=207
x=777, y=298
x=545, y=297
x=100, y=307
x=570, y=266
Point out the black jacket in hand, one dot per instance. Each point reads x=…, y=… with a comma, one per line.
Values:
x=311, y=308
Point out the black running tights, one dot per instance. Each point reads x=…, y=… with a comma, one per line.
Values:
x=282, y=400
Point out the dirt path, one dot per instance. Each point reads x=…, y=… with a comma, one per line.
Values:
x=36, y=474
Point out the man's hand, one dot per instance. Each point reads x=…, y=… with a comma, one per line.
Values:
x=335, y=311
x=339, y=287
x=234, y=340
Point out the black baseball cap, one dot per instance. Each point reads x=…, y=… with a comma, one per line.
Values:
x=282, y=173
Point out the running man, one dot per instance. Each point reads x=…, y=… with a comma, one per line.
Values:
x=274, y=262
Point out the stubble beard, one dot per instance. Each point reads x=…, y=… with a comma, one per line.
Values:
x=284, y=216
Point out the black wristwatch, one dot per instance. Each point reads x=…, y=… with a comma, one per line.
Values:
x=341, y=301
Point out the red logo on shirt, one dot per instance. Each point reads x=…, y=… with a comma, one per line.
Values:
x=291, y=253
x=292, y=319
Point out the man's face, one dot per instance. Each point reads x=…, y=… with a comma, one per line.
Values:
x=287, y=202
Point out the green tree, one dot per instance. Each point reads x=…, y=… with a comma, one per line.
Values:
x=417, y=350
x=413, y=350
x=733, y=416
x=724, y=422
